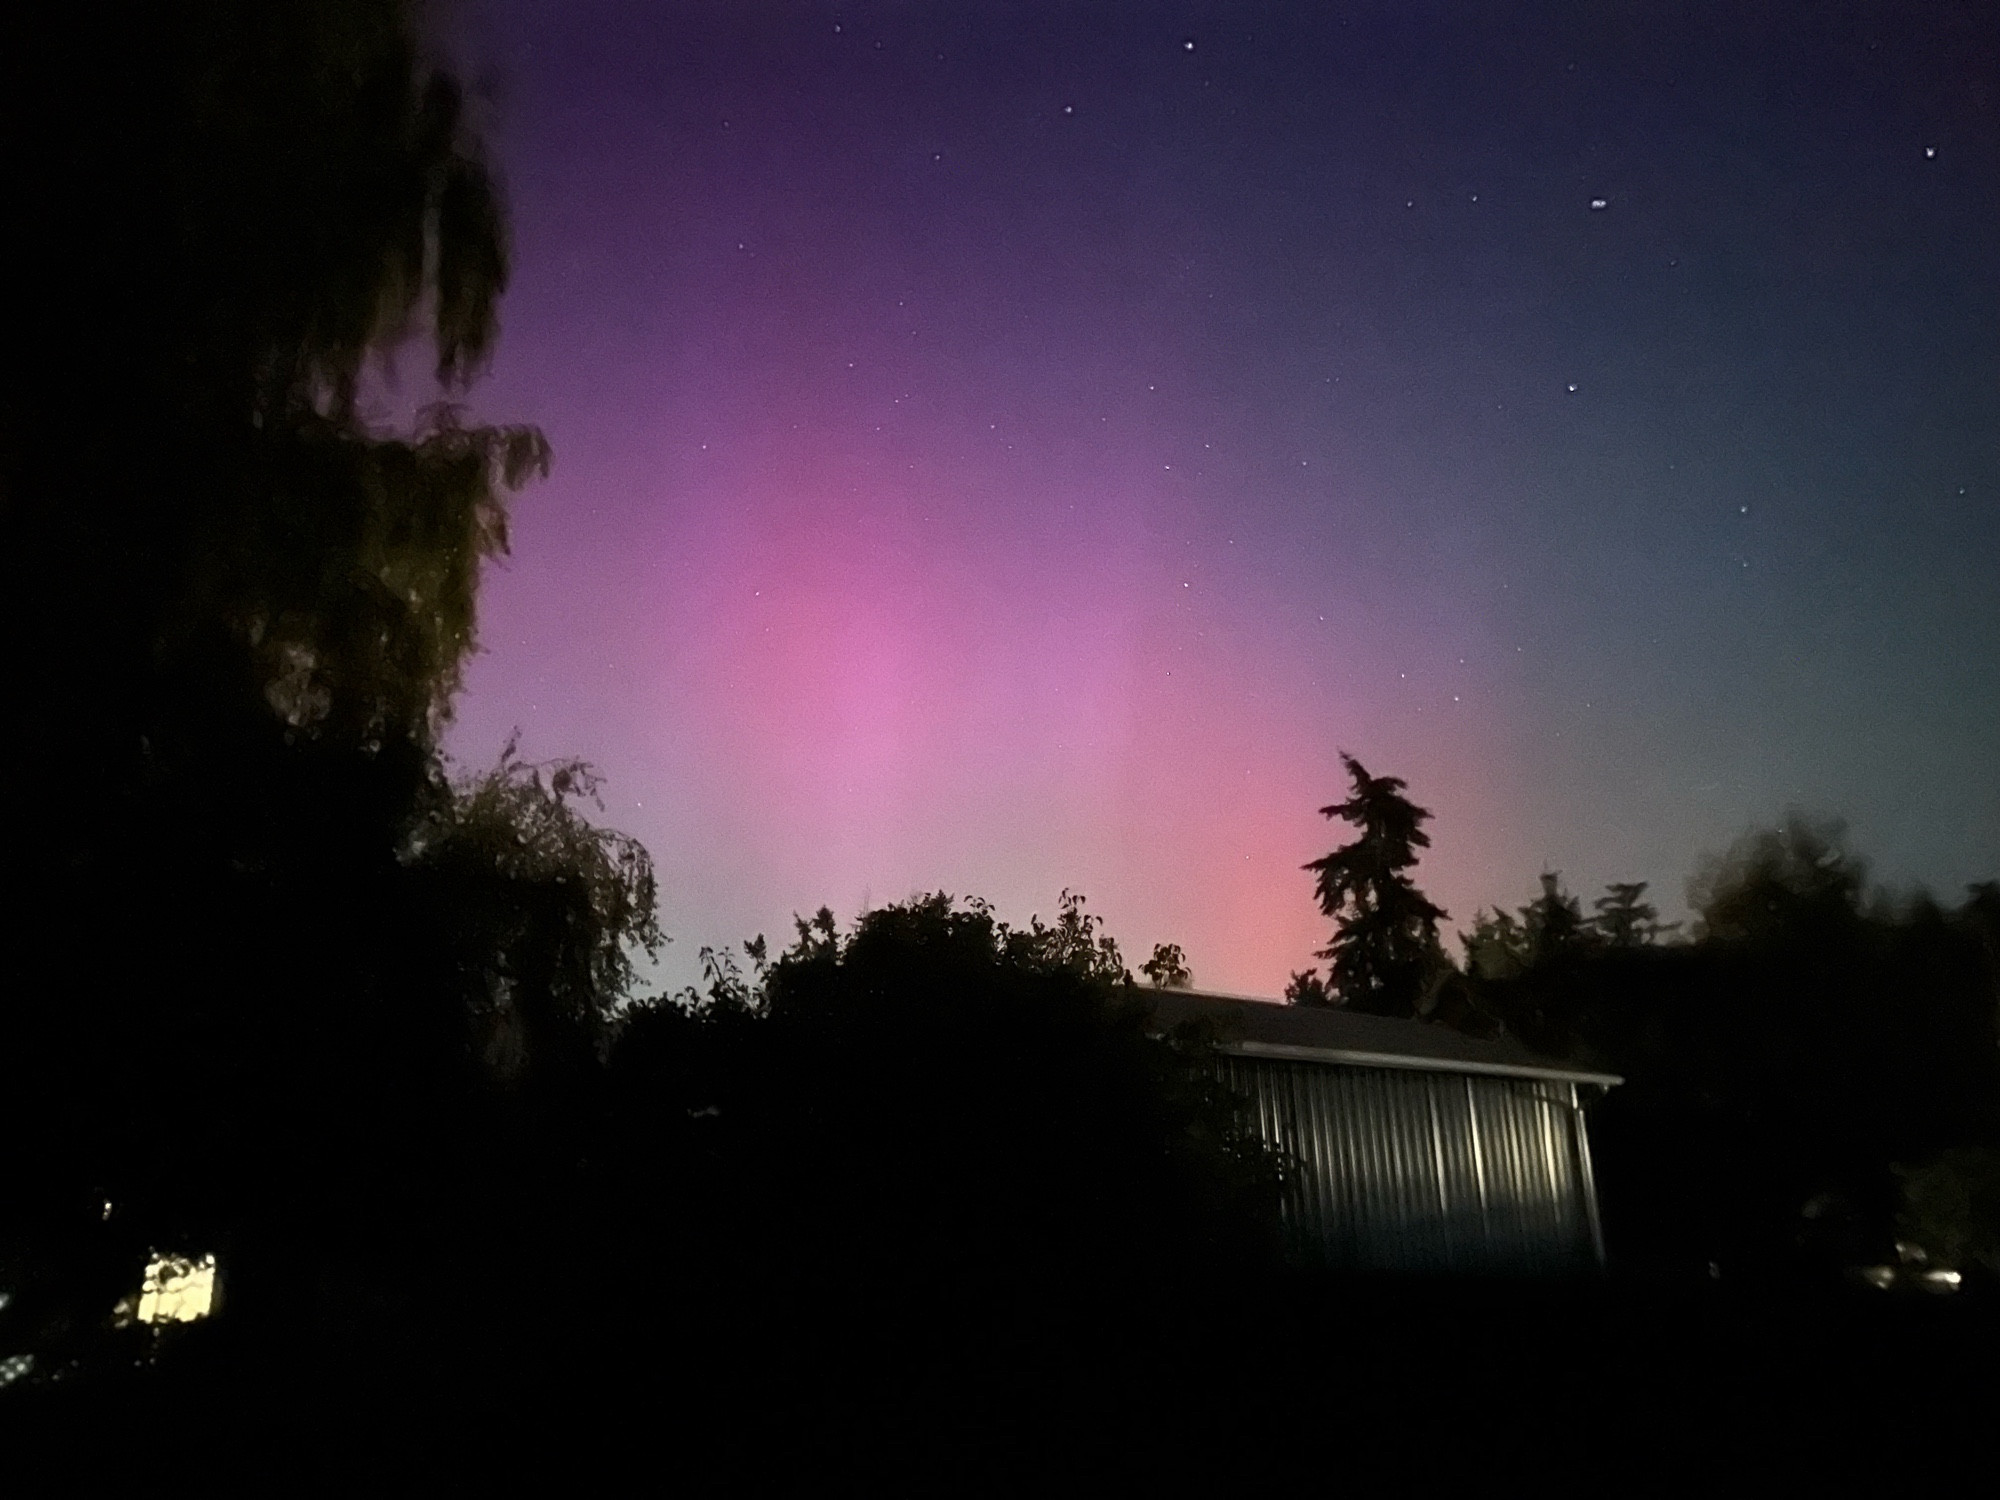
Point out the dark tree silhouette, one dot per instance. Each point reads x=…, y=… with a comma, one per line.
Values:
x=1550, y=927
x=1497, y=947
x=270, y=965
x=1385, y=951
x=254, y=202
x=1074, y=943
x=542, y=912
x=1625, y=920
x=1811, y=1065
x=933, y=1129
x=1504, y=945
x=1167, y=968
x=1527, y=971
x=1553, y=924
x=1306, y=987
x=1780, y=881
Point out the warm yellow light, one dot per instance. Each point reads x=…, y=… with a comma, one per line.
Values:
x=177, y=1289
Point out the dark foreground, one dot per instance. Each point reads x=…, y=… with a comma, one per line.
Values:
x=1626, y=1391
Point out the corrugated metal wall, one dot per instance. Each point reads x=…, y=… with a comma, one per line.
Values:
x=1409, y=1170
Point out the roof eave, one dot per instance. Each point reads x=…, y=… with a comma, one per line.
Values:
x=1554, y=1073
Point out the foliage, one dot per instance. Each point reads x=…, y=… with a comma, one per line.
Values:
x=348, y=572
x=1497, y=947
x=258, y=200
x=1550, y=928
x=1779, y=1066
x=1074, y=943
x=546, y=909
x=1385, y=952
x=932, y=1110
x=1306, y=987
x=1780, y=884
x=233, y=614
x=1167, y=969
x=1552, y=925
x=1624, y=919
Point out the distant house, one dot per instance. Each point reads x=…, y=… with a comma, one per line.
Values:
x=1419, y=1149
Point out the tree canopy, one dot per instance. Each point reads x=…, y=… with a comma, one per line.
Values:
x=242, y=207
x=934, y=1123
x=1809, y=1063
x=269, y=954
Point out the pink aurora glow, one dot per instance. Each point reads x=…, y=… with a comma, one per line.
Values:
x=1000, y=449
x=814, y=679
x=910, y=533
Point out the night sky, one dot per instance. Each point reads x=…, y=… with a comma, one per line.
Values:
x=1009, y=447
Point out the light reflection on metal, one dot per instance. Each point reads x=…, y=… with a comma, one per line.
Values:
x=1587, y=1176
x=1409, y=1170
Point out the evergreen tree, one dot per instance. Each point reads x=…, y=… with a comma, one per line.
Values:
x=1553, y=924
x=1496, y=948
x=1385, y=948
x=1623, y=920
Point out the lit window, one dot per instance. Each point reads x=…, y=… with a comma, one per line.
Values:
x=177, y=1289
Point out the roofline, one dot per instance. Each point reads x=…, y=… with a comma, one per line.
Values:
x=1201, y=994
x=1350, y=1057
x=1353, y=1059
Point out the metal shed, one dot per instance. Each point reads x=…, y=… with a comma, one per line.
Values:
x=1419, y=1149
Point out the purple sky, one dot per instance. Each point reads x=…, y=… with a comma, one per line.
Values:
x=1001, y=448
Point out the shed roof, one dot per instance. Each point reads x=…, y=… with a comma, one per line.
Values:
x=1253, y=1027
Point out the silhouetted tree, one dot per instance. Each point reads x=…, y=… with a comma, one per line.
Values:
x=255, y=201
x=1531, y=971
x=1385, y=951
x=1497, y=947
x=1167, y=968
x=1625, y=920
x=1522, y=969
x=933, y=1128
x=1306, y=987
x=542, y=911
x=1792, y=1074
x=1074, y=943
x=233, y=613
x=1552, y=924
